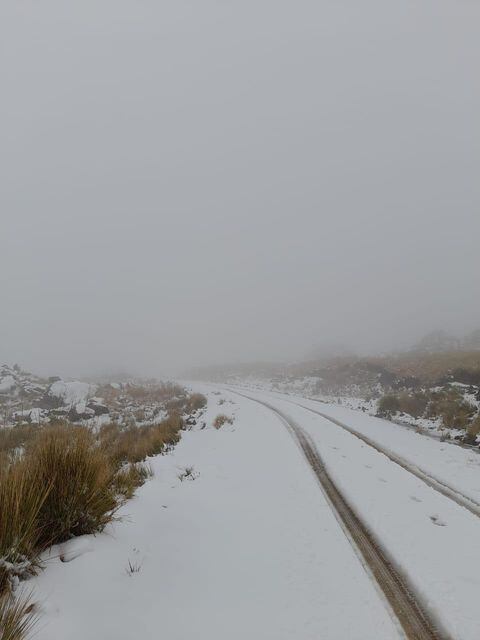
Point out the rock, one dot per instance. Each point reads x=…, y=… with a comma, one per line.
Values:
x=98, y=408
x=75, y=414
x=469, y=439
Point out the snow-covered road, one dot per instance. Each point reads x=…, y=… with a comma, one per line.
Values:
x=431, y=537
x=250, y=549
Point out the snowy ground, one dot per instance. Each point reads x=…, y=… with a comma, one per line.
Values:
x=458, y=466
x=307, y=387
x=249, y=549
x=434, y=540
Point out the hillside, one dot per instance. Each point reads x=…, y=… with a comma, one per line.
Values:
x=437, y=391
x=29, y=399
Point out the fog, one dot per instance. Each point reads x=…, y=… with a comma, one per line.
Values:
x=186, y=183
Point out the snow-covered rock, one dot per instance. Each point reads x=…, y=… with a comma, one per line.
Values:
x=7, y=384
x=71, y=393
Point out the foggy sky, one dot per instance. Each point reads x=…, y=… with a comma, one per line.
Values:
x=189, y=182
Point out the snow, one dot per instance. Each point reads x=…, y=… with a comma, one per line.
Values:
x=458, y=466
x=34, y=415
x=433, y=539
x=248, y=549
x=72, y=393
x=7, y=383
x=308, y=387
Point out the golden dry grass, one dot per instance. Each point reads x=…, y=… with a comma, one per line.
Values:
x=60, y=481
x=21, y=500
x=17, y=617
x=79, y=477
x=448, y=404
x=430, y=367
x=222, y=419
x=134, y=444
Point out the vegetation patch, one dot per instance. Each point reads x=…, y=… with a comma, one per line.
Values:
x=221, y=420
x=63, y=480
x=17, y=617
x=447, y=404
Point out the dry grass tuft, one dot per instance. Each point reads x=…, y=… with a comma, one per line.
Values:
x=447, y=404
x=57, y=482
x=21, y=500
x=129, y=478
x=135, y=444
x=12, y=438
x=79, y=477
x=222, y=419
x=17, y=617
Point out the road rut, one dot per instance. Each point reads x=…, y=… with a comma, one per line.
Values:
x=431, y=481
x=414, y=619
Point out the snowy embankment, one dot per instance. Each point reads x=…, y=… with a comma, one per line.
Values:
x=433, y=539
x=247, y=549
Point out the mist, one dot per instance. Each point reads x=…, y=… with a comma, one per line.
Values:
x=187, y=183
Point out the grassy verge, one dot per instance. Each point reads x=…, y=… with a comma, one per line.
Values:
x=57, y=482
x=445, y=404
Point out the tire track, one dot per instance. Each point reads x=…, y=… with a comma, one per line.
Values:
x=413, y=617
x=433, y=482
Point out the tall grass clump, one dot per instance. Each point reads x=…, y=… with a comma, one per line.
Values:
x=130, y=477
x=186, y=403
x=15, y=438
x=134, y=444
x=79, y=477
x=222, y=419
x=61, y=481
x=21, y=500
x=17, y=617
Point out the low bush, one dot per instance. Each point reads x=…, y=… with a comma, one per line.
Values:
x=222, y=419
x=473, y=429
x=388, y=404
x=134, y=444
x=129, y=478
x=186, y=403
x=414, y=404
x=447, y=405
x=196, y=401
x=453, y=410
